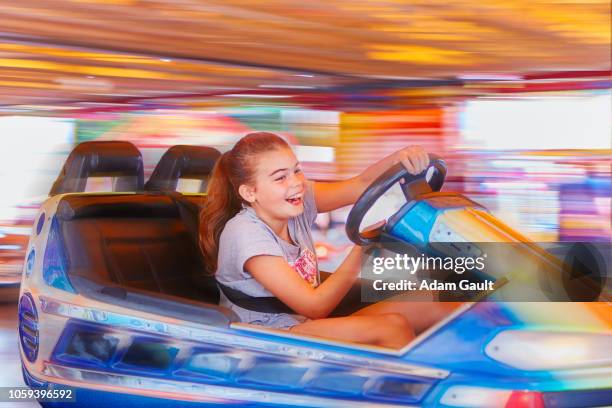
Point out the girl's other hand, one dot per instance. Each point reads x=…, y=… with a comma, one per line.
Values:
x=413, y=158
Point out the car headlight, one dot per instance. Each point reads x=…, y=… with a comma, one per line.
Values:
x=466, y=396
x=547, y=350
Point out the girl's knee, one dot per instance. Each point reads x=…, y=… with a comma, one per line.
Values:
x=396, y=320
x=396, y=331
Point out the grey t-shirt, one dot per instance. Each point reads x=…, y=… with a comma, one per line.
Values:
x=246, y=236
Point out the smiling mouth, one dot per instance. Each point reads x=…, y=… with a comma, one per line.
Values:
x=295, y=199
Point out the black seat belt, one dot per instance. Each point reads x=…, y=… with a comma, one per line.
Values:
x=267, y=304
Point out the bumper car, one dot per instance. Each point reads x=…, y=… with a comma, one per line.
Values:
x=114, y=306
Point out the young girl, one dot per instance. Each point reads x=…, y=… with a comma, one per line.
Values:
x=256, y=237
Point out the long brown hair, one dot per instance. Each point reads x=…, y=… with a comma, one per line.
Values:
x=234, y=168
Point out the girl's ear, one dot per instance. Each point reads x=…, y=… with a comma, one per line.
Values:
x=247, y=193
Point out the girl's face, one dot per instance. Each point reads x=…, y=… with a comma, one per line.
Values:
x=279, y=186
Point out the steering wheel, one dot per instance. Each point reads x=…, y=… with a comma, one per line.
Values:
x=429, y=180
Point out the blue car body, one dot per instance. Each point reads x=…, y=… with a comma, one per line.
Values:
x=117, y=345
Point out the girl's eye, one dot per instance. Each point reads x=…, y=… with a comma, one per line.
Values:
x=281, y=178
x=298, y=170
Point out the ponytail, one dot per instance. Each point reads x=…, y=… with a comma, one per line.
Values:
x=234, y=168
x=222, y=203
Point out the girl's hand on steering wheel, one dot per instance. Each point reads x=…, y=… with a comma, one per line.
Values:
x=413, y=158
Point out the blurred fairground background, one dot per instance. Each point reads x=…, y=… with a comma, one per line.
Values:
x=514, y=95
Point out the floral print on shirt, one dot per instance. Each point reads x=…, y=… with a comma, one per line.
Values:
x=306, y=266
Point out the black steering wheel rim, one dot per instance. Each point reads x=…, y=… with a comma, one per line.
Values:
x=413, y=186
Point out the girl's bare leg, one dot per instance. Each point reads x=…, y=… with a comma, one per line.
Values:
x=387, y=330
x=419, y=307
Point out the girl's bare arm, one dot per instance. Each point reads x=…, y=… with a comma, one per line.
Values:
x=275, y=274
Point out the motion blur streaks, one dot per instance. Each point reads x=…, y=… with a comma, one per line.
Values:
x=513, y=94
x=64, y=54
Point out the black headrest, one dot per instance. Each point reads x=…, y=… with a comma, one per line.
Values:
x=116, y=206
x=181, y=161
x=117, y=159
